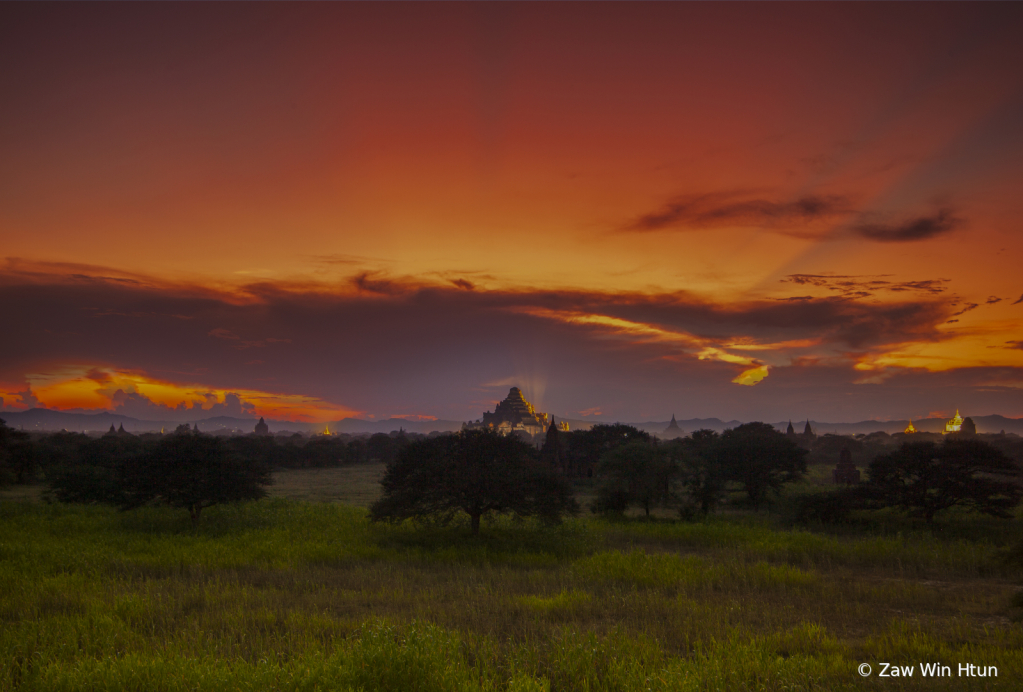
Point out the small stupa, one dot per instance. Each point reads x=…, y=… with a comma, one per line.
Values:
x=672, y=431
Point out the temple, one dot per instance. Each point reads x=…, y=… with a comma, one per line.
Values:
x=515, y=415
x=672, y=431
x=262, y=428
x=909, y=428
x=846, y=472
x=954, y=425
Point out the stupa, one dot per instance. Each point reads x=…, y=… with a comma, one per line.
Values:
x=954, y=425
x=672, y=431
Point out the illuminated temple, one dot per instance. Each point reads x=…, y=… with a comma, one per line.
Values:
x=515, y=415
x=954, y=425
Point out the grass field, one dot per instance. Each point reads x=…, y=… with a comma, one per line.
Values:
x=300, y=592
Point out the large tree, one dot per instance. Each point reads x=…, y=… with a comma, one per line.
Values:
x=476, y=472
x=584, y=448
x=637, y=473
x=191, y=471
x=925, y=478
x=17, y=455
x=700, y=473
x=759, y=458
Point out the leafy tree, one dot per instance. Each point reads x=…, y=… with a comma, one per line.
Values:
x=17, y=455
x=92, y=472
x=700, y=473
x=924, y=478
x=476, y=472
x=190, y=471
x=381, y=447
x=636, y=473
x=584, y=448
x=759, y=458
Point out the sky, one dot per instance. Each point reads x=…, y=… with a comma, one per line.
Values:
x=311, y=211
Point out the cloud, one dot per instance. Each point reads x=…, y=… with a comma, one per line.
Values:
x=463, y=283
x=1017, y=302
x=430, y=347
x=966, y=308
x=737, y=208
x=28, y=399
x=142, y=407
x=862, y=286
x=919, y=228
x=991, y=300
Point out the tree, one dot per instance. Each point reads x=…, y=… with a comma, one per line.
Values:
x=924, y=478
x=636, y=473
x=584, y=448
x=190, y=471
x=759, y=458
x=93, y=471
x=700, y=473
x=476, y=472
x=17, y=455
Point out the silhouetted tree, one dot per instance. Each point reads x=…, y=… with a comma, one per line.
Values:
x=924, y=478
x=476, y=472
x=968, y=428
x=193, y=472
x=636, y=473
x=584, y=448
x=17, y=456
x=92, y=472
x=700, y=472
x=759, y=458
x=381, y=447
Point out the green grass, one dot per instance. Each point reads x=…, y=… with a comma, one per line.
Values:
x=285, y=594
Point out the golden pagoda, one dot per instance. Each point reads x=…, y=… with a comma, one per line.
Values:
x=326, y=430
x=909, y=428
x=954, y=425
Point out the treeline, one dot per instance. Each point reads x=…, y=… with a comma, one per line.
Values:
x=28, y=458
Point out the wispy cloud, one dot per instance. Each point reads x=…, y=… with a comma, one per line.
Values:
x=918, y=228
x=737, y=208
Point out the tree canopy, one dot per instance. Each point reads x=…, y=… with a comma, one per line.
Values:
x=475, y=472
x=925, y=478
x=636, y=473
x=759, y=458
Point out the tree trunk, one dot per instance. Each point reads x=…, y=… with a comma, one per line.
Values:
x=194, y=510
x=475, y=523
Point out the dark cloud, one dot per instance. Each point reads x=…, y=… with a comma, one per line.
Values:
x=370, y=282
x=919, y=228
x=740, y=209
x=859, y=286
x=1017, y=302
x=991, y=300
x=140, y=406
x=463, y=283
x=29, y=399
x=966, y=308
x=431, y=349
x=1014, y=344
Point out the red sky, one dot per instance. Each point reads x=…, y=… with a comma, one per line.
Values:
x=742, y=210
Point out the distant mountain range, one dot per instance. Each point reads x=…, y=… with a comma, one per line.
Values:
x=985, y=424
x=42, y=419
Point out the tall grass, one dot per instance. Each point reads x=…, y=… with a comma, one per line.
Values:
x=284, y=595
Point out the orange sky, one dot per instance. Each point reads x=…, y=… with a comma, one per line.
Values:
x=381, y=209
